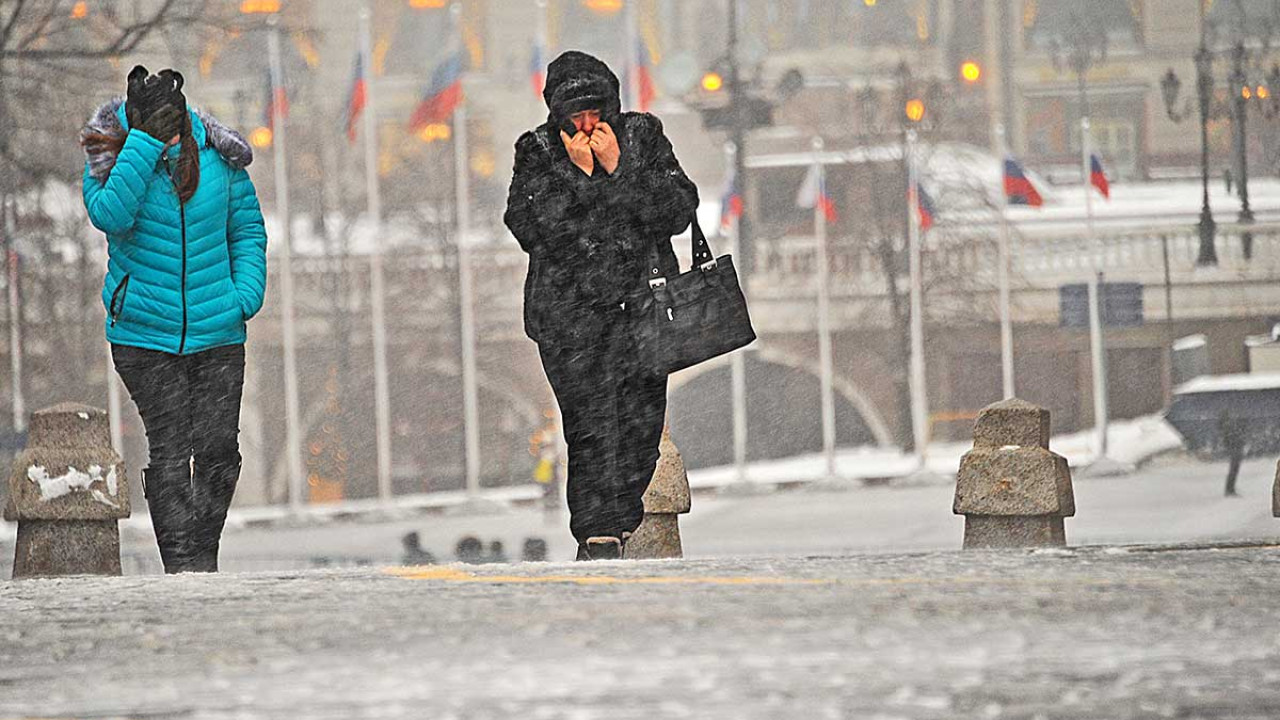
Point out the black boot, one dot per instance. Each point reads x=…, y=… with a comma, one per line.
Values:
x=214, y=485
x=168, y=494
x=603, y=547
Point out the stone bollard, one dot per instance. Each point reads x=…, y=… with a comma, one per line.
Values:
x=67, y=492
x=666, y=499
x=1275, y=494
x=1012, y=491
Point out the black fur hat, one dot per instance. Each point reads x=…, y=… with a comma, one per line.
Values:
x=577, y=81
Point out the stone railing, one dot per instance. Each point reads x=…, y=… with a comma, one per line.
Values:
x=787, y=266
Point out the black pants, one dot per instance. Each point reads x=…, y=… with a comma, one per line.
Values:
x=613, y=412
x=190, y=406
x=1233, y=471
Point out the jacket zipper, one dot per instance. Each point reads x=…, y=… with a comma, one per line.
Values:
x=116, y=308
x=182, y=219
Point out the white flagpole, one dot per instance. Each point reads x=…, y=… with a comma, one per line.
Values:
x=633, y=67
x=543, y=34
x=7, y=229
x=737, y=360
x=292, y=413
x=114, y=417
x=1006, y=321
x=377, y=283
x=824, y=320
x=470, y=390
x=1097, y=348
x=919, y=398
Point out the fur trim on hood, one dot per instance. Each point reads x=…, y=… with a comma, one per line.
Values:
x=230, y=144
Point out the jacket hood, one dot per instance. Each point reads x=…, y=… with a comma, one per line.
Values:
x=110, y=119
x=577, y=81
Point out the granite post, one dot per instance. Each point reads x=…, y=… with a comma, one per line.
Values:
x=67, y=492
x=666, y=499
x=1275, y=494
x=1012, y=491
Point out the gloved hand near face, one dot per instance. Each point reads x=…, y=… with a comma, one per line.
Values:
x=155, y=104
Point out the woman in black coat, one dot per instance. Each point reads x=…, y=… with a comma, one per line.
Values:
x=596, y=196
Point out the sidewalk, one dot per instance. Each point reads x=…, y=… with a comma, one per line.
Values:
x=1117, y=632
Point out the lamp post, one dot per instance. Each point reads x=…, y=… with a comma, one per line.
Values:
x=1236, y=109
x=1240, y=94
x=1170, y=87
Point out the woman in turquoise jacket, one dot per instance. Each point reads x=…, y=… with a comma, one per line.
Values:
x=186, y=269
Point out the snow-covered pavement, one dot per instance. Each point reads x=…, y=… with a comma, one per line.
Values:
x=1095, y=633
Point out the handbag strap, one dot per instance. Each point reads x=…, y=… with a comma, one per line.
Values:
x=699, y=248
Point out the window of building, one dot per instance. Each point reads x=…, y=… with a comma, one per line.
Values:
x=781, y=25
x=416, y=43
x=1053, y=129
x=1050, y=24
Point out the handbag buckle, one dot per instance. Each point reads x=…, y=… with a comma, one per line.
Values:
x=708, y=266
x=656, y=283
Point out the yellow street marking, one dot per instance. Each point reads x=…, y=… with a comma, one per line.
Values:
x=448, y=574
x=453, y=574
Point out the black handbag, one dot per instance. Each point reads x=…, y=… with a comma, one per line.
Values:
x=690, y=318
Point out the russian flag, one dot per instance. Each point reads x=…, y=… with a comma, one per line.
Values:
x=357, y=98
x=730, y=201
x=813, y=194
x=443, y=96
x=1017, y=188
x=644, y=76
x=924, y=206
x=537, y=70
x=1098, y=176
x=277, y=100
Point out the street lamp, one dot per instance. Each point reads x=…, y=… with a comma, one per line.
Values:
x=1170, y=87
x=915, y=110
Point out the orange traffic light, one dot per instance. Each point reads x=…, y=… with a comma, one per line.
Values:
x=261, y=137
x=712, y=82
x=970, y=71
x=915, y=110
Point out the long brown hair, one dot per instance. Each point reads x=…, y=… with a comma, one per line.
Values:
x=186, y=177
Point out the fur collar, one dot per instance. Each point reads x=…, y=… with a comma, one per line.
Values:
x=109, y=120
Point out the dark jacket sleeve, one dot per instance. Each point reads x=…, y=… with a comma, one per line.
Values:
x=547, y=207
x=650, y=182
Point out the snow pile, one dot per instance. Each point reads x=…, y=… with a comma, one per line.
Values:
x=1130, y=443
x=1225, y=383
x=74, y=480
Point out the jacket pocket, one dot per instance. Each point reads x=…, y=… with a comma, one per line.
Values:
x=117, y=300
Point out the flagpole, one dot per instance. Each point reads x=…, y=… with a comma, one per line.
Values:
x=1006, y=322
x=824, y=319
x=737, y=360
x=633, y=70
x=8, y=223
x=543, y=30
x=114, y=406
x=377, y=283
x=1097, y=348
x=292, y=413
x=919, y=398
x=470, y=390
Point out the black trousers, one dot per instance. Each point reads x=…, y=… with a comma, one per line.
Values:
x=1233, y=471
x=613, y=411
x=190, y=407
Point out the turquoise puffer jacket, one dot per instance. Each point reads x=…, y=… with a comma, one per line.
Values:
x=180, y=278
